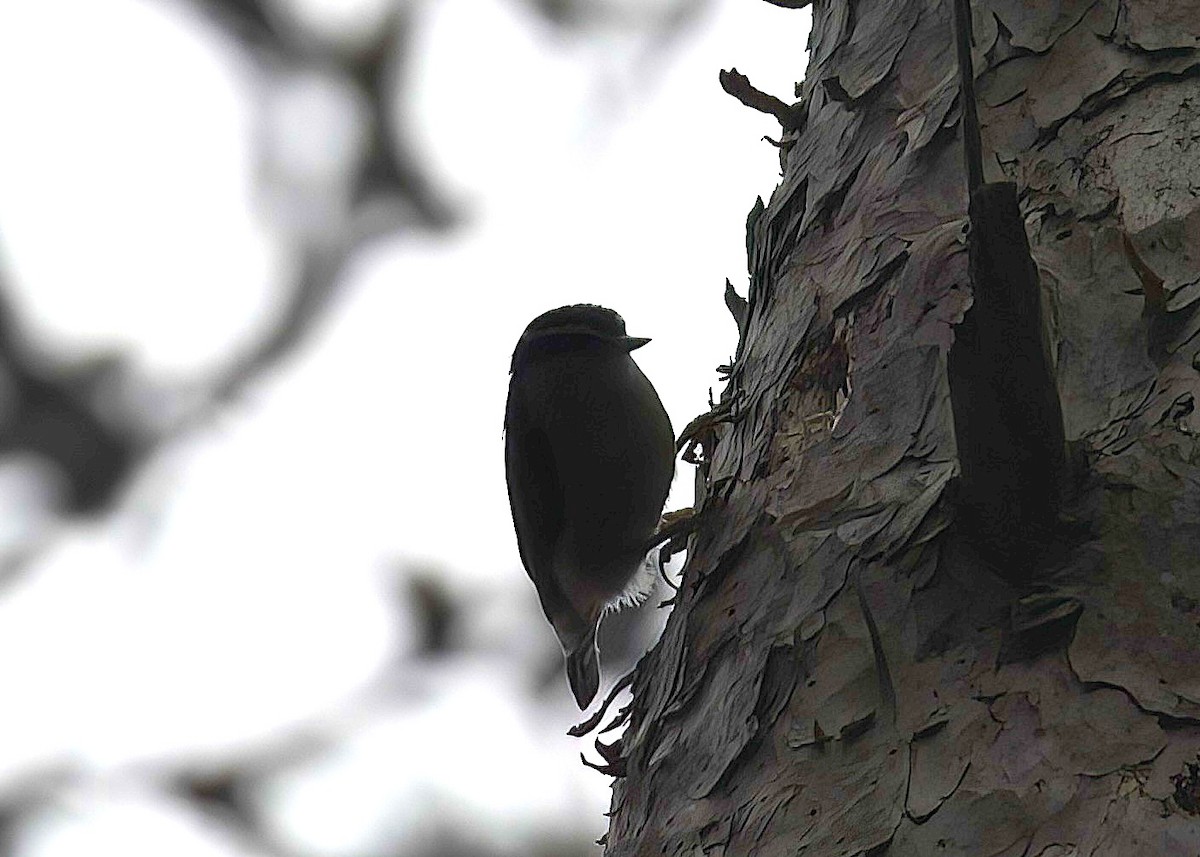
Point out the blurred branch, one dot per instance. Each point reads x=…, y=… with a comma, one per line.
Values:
x=55, y=413
x=250, y=19
x=389, y=179
x=66, y=413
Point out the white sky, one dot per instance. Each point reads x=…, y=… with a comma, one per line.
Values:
x=129, y=219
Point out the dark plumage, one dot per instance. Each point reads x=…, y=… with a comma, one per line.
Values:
x=589, y=456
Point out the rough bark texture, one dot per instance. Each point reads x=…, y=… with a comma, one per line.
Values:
x=850, y=668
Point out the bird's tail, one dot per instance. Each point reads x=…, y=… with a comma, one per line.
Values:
x=583, y=670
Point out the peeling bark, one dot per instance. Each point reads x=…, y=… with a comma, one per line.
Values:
x=849, y=668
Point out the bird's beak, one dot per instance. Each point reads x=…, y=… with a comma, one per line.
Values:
x=632, y=342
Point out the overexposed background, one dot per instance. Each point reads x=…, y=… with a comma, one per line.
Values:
x=262, y=266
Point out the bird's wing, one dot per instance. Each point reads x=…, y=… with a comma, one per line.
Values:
x=535, y=493
x=536, y=496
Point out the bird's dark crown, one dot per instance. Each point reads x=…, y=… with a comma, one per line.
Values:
x=586, y=319
x=569, y=328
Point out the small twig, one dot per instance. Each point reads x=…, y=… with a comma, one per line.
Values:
x=790, y=116
x=701, y=428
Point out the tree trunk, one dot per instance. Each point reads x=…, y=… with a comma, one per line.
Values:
x=946, y=594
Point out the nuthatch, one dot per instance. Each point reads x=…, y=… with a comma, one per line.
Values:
x=589, y=455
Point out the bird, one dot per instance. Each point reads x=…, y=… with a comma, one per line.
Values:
x=589, y=457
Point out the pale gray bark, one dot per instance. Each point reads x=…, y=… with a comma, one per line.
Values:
x=848, y=669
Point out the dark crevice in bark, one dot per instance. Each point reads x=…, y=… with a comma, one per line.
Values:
x=782, y=673
x=1040, y=622
x=1163, y=324
x=887, y=690
x=783, y=231
x=829, y=205
x=1097, y=684
x=1098, y=216
x=868, y=293
x=1111, y=95
x=1007, y=415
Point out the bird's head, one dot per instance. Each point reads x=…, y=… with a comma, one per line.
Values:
x=579, y=327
